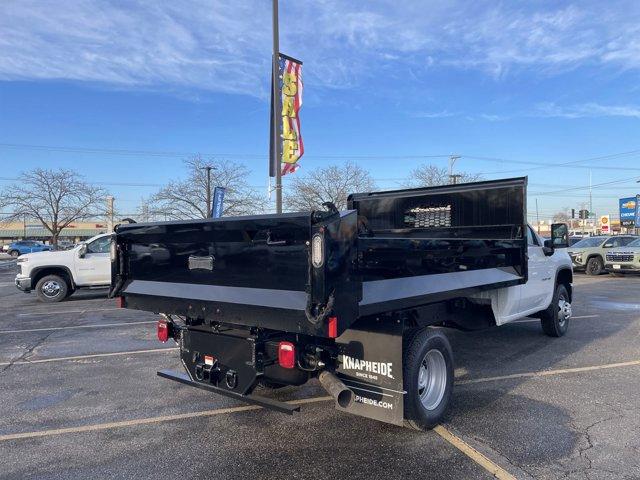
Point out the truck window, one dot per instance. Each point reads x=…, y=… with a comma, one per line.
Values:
x=100, y=245
x=624, y=241
x=531, y=237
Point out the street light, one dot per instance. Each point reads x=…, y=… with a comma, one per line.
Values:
x=208, y=168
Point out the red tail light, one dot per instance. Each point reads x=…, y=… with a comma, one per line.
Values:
x=163, y=330
x=333, y=327
x=120, y=302
x=287, y=355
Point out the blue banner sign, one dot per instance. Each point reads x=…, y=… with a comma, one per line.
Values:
x=218, y=200
x=637, y=211
x=628, y=211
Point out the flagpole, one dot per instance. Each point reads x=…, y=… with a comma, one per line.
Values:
x=277, y=147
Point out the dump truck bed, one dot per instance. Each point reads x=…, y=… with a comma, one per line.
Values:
x=389, y=251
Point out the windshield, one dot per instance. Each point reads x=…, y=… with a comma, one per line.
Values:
x=589, y=242
x=635, y=243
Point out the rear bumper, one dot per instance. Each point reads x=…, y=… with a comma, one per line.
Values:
x=252, y=399
x=23, y=283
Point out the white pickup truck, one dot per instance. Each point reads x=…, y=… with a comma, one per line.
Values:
x=56, y=275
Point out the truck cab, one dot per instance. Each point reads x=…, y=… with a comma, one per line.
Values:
x=55, y=275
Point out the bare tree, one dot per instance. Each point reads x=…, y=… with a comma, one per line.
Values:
x=561, y=217
x=56, y=198
x=329, y=184
x=187, y=198
x=431, y=175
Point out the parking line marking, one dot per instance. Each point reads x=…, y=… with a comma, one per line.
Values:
x=491, y=467
x=46, y=329
x=150, y=420
x=545, y=373
x=93, y=355
x=53, y=312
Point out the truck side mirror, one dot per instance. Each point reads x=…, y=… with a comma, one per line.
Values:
x=82, y=251
x=560, y=235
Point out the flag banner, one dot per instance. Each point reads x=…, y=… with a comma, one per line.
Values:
x=287, y=103
x=291, y=91
x=218, y=202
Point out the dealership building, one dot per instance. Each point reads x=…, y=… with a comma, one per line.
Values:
x=74, y=233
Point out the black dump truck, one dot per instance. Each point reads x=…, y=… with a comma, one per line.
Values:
x=355, y=298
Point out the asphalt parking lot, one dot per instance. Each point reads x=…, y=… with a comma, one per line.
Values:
x=81, y=400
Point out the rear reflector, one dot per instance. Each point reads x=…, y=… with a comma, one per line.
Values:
x=287, y=355
x=163, y=330
x=333, y=327
x=120, y=302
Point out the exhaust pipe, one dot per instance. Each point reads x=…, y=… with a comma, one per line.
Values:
x=338, y=390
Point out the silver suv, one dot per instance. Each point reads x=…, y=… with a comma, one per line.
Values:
x=589, y=253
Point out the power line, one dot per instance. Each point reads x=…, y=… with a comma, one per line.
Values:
x=572, y=163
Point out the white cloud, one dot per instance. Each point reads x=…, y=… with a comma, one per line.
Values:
x=224, y=45
x=550, y=109
x=441, y=114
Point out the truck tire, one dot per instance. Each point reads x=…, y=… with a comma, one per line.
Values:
x=595, y=266
x=52, y=288
x=555, y=319
x=427, y=361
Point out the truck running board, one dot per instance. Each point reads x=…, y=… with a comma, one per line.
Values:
x=252, y=399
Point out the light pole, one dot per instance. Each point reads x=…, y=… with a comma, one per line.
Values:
x=276, y=147
x=208, y=168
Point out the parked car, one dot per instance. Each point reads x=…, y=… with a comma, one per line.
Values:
x=65, y=245
x=56, y=275
x=589, y=253
x=21, y=247
x=624, y=259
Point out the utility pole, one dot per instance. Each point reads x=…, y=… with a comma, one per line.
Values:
x=110, y=213
x=537, y=216
x=208, y=168
x=590, y=196
x=276, y=149
x=453, y=178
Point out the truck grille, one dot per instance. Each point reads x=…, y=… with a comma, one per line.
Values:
x=619, y=257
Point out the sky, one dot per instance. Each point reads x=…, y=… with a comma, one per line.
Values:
x=124, y=91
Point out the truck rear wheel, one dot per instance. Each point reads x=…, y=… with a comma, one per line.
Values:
x=428, y=378
x=52, y=288
x=555, y=319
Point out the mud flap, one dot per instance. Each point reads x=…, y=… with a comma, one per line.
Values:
x=371, y=366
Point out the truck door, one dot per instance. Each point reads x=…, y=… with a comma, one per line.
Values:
x=535, y=293
x=95, y=268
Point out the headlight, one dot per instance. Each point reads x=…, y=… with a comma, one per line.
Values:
x=22, y=260
x=317, y=251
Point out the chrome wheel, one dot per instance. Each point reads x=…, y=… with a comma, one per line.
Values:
x=432, y=379
x=564, y=310
x=51, y=289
